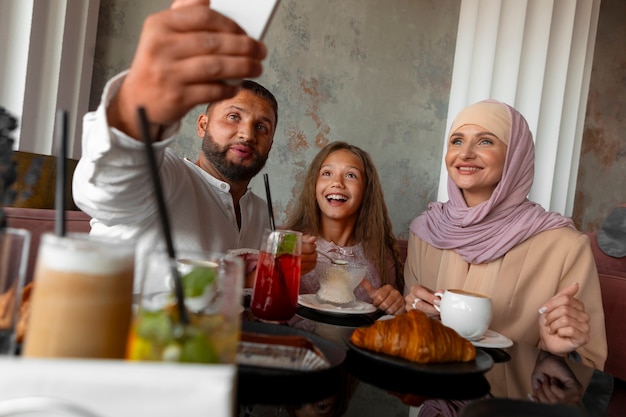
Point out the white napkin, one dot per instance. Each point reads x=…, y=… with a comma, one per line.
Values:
x=115, y=388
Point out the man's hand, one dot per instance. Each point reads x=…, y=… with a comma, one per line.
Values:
x=183, y=57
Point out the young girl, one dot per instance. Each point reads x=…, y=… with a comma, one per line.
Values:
x=342, y=203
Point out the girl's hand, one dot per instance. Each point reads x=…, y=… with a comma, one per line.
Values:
x=309, y=254
x=385, y=298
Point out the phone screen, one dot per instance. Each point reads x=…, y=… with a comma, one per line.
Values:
x=252, y=15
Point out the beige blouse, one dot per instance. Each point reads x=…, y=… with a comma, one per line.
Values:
x=520, y=282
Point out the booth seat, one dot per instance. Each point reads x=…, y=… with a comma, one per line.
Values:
x=38, y=221
x=612, y=273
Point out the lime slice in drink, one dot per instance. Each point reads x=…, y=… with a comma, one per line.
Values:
x=155, y=326
x=197, y=349
x=288, y=244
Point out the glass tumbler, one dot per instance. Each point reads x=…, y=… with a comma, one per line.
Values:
x=212, y=290
x=14, y=249
x=277, y=281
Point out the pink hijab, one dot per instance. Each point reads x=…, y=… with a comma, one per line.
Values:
x=489, y=230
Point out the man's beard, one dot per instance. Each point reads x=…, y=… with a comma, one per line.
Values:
x=230, y=170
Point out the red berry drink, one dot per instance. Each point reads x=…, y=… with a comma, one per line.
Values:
x=276, y=287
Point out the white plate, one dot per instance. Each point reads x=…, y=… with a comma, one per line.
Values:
x=359, y=307
x=493, y=339
x=243, y=251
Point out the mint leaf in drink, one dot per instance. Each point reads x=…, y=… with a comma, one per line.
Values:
x=288, y=244
x=197, y=280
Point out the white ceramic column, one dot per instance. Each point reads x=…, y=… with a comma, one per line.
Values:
x=535, y=55
x=47, y=65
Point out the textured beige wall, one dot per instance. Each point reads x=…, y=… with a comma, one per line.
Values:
x=119, y=25
x=377, y=76
x=602, y=172
x=375, y=73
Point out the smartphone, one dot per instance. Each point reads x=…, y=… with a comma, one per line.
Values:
x=253, y=16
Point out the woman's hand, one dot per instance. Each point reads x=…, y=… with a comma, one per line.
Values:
x=423, y=299
x=385, y=298
x=563, y=322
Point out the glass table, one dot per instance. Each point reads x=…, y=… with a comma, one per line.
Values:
x=361, y=384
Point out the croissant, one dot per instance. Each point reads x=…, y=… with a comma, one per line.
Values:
x=415, y=337
x=24, y=315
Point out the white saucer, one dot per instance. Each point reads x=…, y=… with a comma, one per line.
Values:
x=243, y=251
x=359, y=307
x=493, y=339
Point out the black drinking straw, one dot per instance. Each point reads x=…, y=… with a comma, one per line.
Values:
x=144, y=125
x=269, y=201
x=61, y=176
x=280, y=276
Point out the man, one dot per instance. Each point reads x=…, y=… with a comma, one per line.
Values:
x=183, y=57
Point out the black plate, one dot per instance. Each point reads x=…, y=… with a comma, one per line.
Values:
x=481, y=364
x=500, y=407
x=260, y=385
x=348, y=320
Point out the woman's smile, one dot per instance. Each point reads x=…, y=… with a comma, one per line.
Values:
x=475, y=161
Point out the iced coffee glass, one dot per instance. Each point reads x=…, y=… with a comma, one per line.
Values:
x=82, y=297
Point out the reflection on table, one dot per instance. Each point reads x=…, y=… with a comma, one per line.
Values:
x=363, y=386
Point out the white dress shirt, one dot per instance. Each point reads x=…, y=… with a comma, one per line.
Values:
x=112, y=184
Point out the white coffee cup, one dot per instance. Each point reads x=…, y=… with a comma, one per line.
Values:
x=468, y=313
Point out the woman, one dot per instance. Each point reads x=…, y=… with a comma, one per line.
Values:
x=342, y=203
x=489, y=238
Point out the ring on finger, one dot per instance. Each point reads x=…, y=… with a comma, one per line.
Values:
x=414, y=305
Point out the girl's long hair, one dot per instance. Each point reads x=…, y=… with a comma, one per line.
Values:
x=372, y=229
